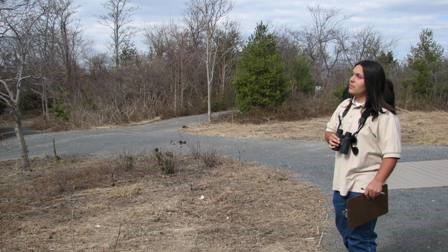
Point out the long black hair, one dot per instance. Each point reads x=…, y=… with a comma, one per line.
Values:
x=389, y=94
x=379, y=90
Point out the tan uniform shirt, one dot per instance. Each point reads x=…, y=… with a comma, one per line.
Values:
x=378, y=139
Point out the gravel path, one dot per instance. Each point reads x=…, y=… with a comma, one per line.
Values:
x=416, y=220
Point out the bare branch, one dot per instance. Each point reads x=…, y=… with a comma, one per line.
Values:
x=118, y=19
x=4, y=97
x=9, y=92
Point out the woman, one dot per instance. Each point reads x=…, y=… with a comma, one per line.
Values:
x=372, y=152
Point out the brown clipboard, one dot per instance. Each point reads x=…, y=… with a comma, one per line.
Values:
x=361, y=209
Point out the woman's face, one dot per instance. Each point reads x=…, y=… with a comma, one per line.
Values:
x=356, y=85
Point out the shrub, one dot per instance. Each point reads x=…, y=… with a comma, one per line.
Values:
x=259, y=79
x=165, y=161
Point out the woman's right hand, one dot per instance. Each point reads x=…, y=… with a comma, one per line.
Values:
x=333, y=140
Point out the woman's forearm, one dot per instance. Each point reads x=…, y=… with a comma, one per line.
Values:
x=386, y=168
x=375, y=186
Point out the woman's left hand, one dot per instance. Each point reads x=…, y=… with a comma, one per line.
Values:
x=373, y=189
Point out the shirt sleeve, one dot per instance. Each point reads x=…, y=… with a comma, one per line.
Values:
x=389, y=136
x=332, y=124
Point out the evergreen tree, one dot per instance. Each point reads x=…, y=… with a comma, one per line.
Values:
x=302, y=74
x=259, y=79
x=128, y=53
x=424, y=60
x=388, y=62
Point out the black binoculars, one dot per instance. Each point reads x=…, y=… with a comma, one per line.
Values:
x=346, y=141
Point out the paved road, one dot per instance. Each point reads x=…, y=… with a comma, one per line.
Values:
x=417, y=218
x=8, y=132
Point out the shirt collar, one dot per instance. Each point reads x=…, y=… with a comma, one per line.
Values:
x=356, y=104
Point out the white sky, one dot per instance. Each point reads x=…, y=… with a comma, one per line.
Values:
x=398, y=20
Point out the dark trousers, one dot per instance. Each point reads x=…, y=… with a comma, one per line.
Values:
x=361, y=238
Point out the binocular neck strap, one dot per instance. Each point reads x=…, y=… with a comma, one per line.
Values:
x=360, y=125
x=344, y=113
x=361, y=122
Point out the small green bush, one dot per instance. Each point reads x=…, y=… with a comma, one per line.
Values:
x=60, y=111
x=165, y=161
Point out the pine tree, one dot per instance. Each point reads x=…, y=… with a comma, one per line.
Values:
x=259, y=79
x=388, y=61
x=302, y=74
x=424, y=61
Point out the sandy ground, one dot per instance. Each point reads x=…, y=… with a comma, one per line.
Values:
x=128, y=204
x=417, y=127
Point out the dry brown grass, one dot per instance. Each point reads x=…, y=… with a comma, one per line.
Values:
x=302, y=129
x=424, y=127
x=418, y=127
x=54, y=124
x=77, y=204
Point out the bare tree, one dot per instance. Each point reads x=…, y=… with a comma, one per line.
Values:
x=64, y=12
x=18, y=23
x=5, y=5
x=364, y=44
x=207, y=14
x=320, y=40
x=118, y=18
x=53, y=59
x=168, y=45
x=45, y=54
x=155, y=39
x=228, y=40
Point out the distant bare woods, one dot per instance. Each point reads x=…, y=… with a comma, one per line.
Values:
x=187, y=66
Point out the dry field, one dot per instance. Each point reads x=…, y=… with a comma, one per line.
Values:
x=210, y=202
x=417, y=127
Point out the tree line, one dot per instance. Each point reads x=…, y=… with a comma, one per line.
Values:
x=201, y=63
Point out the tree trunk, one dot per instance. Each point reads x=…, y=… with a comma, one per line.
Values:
x=223, y=79
x=207, y=65
x=181, y=84
x=45, y=101
x=174, y=76
x=19, y=133
x=66, y=53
